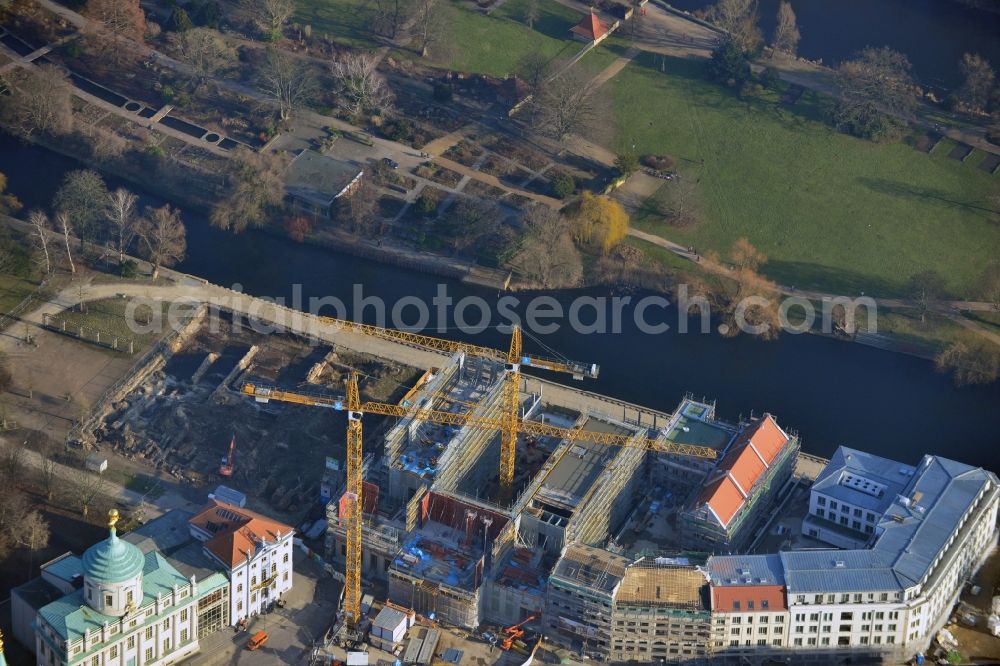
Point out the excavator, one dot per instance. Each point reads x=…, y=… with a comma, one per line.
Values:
x=226, y=465
x=514, y=632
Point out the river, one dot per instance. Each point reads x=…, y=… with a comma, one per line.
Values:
x=932, y=33
x=831, y=392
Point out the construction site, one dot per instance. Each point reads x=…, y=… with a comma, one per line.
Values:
x=473, y=495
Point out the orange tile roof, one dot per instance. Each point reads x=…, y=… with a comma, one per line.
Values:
x=745, y=468
x=768, y=438
x=723, y=497
x=236, y=531
x=590, y=27
x=748, y=459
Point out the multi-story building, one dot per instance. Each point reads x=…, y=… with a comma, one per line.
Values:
x=737, y=491
x=749, y=613
x=254, y=551
x=888, y=599
x=127, y=608
x=848, y=498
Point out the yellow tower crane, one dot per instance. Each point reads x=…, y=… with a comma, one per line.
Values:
x=355, y=409
x=513, y=360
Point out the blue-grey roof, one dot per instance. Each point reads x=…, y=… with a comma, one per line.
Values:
x=863, y=479
x=389, y=618
x=914, y=529
x=71, y=616
x=113, y=560
x=812, y=571
x=69, y=568
x=745, y=570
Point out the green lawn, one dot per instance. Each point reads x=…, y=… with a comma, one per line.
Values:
x=13, y=290
x=496, y=44
x=344, y=21
x=832, y=212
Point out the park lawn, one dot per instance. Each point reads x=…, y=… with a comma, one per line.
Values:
x=831, y=212
x=344, y=21
x=13, y=290
x=496, y=45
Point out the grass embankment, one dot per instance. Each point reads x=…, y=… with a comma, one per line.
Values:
x=472, y=42
x=113, y=317
x=832, y=212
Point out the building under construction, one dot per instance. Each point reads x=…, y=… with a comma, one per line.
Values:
x=440, y=532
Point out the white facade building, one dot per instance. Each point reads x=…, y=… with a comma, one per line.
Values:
x=255, y=552
x=132, y=610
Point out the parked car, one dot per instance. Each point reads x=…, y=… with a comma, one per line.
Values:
x=257, y=640
x=391, y=163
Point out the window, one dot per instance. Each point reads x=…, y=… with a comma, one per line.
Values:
x=843, y=520
x=734, y=643
x=108, y=600
x=239, y=588
x=184, y=635
x=869, y=529
x=113, y=651
x=776, y=642
x=285, y=575
x=847, y=616
x=892, y=627
x=239, y=605
x=166, y=645
x=149, y=654
x=95, y=661
x=764, y=604
x=825, y=640
x=797, y=641
x=761, y=641
x=128, y=597
x=833, y=506
x=813, y=617
x=890, y=639
x=779, y=630
x=844, y=598
x=827, y=628
x=844, y=640
x=166, y=623
x=866, y=627
x=131, y=641
x=285, y=558
x=857, y=598
x=762, y=630
x=763, y=620
x=149, y=632
x=736, y=605
x=821, y=513
x=870, y=517
x=800, y=617
x=856, y=525
x=845, y=627
x=184, y=615
x=811, y=641
x=877, y=640
x=821, y=501
x=735, y=631
x=750, y=604
x=864, y=640
x=857, y=513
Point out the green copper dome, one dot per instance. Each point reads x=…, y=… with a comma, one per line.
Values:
x=112, y=560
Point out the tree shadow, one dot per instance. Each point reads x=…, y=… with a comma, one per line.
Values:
x=806, y=275
x=907, y=191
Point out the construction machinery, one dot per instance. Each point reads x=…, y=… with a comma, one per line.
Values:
x=509, y=424
x=514, y=632
x=226, y=466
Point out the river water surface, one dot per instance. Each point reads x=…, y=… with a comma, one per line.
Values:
x=932, y=33
x=831, y=392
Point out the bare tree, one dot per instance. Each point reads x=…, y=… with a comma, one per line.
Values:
x=388, y=17
x=876, y=81
x=40, y=102
x=431, y=21
x=289, y=84
x=269, y=16
x=258, y=187
x=163, y=235
x=40, y=222
x=87, y=487
x=786, y=34
x=358, y=211
x=13, y=505
x=990, y=284
x=84, y=197
x=563, y=106
x=547, y=254
x=124, y=19
x=980, y=80
x=680, y=204
x=926, y=288
x=205, y=52
x=534, y=68
x=33, y=534
x=531, y=13
x=739, y=19
x=121, y=212
x=62, y=219
x=361, y=84
x=47, y=475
